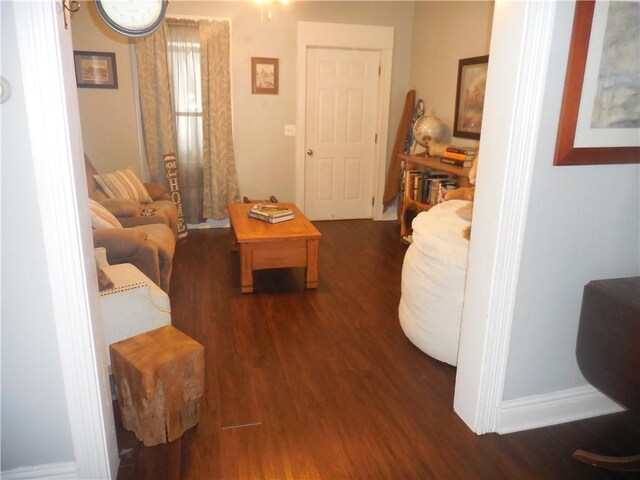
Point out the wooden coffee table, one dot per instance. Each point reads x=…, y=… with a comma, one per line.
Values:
x=262, y=245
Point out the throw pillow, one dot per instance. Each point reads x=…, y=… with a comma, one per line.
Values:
x=123, y=184
x=101, y=217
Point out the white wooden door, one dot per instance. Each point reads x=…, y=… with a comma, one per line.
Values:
x=342, y=91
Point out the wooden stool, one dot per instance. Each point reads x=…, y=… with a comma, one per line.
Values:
x=159, y=379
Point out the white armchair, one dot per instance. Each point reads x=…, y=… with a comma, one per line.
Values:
x=133, y=305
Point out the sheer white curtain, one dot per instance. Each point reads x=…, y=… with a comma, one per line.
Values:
x=183, y=48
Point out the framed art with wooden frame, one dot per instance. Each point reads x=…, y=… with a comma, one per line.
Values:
x=472, y=78
x=95, y=69
x=264, y=75
x=599, y=121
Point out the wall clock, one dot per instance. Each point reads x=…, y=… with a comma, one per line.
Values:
x=133, y=18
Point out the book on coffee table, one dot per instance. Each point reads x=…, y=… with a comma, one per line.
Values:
x=270, y=219
x=271, y=213
x=271, y=210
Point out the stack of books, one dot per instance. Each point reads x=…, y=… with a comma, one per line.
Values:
x=458, y=156
x=270, y=213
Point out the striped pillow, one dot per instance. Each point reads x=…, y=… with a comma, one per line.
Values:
x=123, y=184
x=101, y=217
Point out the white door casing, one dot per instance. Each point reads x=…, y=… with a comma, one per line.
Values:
x=362, y=37
x=56, y=143
x=340, y=132
x=518, y=68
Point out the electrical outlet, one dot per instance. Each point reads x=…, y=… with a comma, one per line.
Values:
x=289, y=130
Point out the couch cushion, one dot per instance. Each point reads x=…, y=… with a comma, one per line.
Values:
x=122, y=207
x=101, y=217
x=123, y=184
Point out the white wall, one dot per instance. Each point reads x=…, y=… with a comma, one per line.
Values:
x=35, y=423
x=583, y=224
x=264, y=156
x=443, y=33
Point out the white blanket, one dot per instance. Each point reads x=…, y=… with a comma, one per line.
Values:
x=433, y=278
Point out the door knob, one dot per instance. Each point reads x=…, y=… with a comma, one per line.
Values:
x=309, y=152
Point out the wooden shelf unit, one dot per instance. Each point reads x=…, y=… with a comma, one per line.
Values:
x=418, y=162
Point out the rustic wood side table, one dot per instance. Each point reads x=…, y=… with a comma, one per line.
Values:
x=159, y=379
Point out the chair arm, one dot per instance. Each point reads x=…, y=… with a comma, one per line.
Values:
x=157, y=191
x=129, y=310
x=122, y=207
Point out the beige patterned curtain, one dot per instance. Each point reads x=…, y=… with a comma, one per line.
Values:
x=156, y=106
x=220, y=176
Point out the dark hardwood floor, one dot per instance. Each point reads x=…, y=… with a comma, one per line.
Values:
x=323, y=384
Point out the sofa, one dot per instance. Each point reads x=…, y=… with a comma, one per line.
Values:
x=143, y=234
x=130, y=213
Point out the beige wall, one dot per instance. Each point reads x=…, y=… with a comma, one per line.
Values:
x=264, y=156
x=443, y=33
x=108, y=116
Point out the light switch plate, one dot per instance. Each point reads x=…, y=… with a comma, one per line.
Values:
x=289, y=130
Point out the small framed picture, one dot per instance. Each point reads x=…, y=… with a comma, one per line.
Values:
x=95, y=69
x=472, y=78
x=264, y=75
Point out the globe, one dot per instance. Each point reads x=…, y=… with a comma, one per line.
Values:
x=428, y=128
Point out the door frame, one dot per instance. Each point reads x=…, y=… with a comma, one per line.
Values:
x=520, y=45
x=53, y=117
x=338, y=35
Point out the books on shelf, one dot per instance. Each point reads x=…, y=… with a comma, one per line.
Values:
x=468, y=151
x=428, y=187
x=270, y=213
x=458, y=156
x=456, y=163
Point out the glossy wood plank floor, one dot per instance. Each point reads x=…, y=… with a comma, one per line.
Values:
x=323, y=384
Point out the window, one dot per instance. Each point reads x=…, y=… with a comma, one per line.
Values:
x=183, y=46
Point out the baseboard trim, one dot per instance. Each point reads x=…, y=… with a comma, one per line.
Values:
x=48, y=471
x=553, y=408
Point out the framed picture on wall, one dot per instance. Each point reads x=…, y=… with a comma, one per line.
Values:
x=95, y=69
x=264, y=75
x=472, y=78
x=599, y=121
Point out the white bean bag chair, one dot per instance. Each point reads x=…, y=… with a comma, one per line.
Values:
x=433, y=278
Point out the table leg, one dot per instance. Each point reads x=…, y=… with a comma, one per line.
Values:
x=312, y=264
x=246, y=268
x=234, y=240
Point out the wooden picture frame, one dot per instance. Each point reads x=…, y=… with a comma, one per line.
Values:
x=95, y=69
x=566, y=153
x=265, y=75
x=472, y=79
